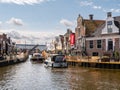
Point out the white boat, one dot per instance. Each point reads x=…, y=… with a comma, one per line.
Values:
x=56, y=61
x=48, y=62
x=37, y=57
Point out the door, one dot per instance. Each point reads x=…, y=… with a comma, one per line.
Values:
x=110, y=45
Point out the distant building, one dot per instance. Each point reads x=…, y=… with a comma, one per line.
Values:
x=62, y=43
x=67, y=46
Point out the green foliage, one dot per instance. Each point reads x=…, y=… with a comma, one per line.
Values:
x=116, y=55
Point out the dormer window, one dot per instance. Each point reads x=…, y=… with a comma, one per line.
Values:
x=109, y=23
x=109, y=26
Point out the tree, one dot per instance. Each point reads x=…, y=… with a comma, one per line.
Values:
x=116, y=55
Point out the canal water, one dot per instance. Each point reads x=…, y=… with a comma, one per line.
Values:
x=34, y=76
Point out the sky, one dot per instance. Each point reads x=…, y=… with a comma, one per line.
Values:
x=40, y=21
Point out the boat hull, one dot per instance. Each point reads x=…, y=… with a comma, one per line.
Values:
x=36, y=57
x=37, y=60
x=60, y=65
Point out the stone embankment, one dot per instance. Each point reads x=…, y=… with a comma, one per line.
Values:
x=14, y=59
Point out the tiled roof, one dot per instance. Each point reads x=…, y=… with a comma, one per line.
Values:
x=98, y=31
x=92, y=25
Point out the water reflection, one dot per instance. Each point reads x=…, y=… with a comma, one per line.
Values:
x=34, y=76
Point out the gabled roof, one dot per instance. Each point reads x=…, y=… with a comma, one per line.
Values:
x=92, y=25
x=117, y=18
x=117, y=21
x=98, y=30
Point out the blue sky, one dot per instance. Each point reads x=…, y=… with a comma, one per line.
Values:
x=39, y=21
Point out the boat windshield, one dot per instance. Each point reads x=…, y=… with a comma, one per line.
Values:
x=37, y=54
x=59, y=58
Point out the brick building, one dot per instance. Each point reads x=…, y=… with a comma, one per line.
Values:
x=6, y=44
x=105, y=38
x=85, y=29
x=98, y=37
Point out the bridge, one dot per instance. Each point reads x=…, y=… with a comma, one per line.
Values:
x=31, y=47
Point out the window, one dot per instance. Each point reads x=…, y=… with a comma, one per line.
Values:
x=91, y=44
x=109, y=23
x=109, y=26
x=99, y=44
x=59, y=58
x=109, y=29
x=110, y=45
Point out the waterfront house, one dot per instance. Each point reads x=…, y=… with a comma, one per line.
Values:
x=98, y=37
x=106, y=38
x=84, y=29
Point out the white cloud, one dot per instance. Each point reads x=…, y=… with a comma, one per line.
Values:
x=91, y=4
x=86, y=3
x=97, y=7
x=15, y=21
x=23, y=2
x=115, y=10
x=30, y=37
x=0, y=22
x=112, y=10
x=66, y=22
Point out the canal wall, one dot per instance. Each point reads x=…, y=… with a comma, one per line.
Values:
x=14, y=59
x=93, y=62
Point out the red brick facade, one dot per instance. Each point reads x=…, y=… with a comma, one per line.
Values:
x=91, y=51
x=117, y=44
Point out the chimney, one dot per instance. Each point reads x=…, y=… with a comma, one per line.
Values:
x=91, y=16
x=109, y=14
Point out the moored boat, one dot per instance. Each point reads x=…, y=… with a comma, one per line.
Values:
x=48, y=62
x=59, y=61
x=37, y=57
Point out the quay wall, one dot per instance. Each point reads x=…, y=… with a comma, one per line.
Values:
x=12, y=61
x=93, y=63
